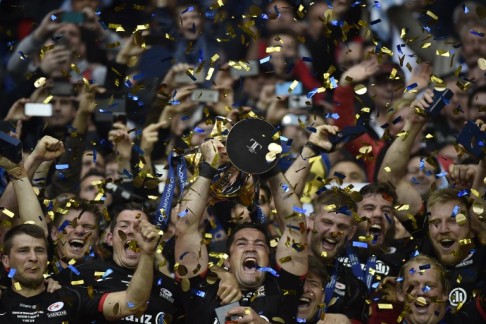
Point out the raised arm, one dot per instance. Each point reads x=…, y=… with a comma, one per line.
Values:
x=299, y=170
x=394, y=166
x=478, y=220
x=291, y=254
x=190, y=251
x=20, y=188
x=120, y=304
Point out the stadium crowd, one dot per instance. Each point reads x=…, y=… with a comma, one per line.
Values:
x=139, y=182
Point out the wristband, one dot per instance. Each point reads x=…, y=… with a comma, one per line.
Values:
x=207, y=171
x=17, y=173
x=316, y=149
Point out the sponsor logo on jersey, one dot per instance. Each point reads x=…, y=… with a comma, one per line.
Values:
x=457, y=295
x=56, y=306
x=166, y=294
x=467, y=261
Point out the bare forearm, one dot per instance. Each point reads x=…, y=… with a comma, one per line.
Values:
x=29, y=208
x=397, y=156
x=138, y=292
x=299, y=170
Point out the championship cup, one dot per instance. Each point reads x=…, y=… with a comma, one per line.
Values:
x=253, y=148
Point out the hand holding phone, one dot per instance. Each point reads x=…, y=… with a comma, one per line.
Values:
x=38, y=109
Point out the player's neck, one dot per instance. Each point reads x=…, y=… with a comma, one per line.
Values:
x=26, y=291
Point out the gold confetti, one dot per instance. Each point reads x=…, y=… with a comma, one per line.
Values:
x=185, y=284
x=17, y=286
x=75, y=68
x=465, y=241
x=461, y=219
x=142, y=27
x=421, y=301
x=482, y=63
x=360, y=89
x=387, y=169
x=40, y=82
x=385, y=306
x=77, y=282
x=273, y=49
x=426, y=45
x=8, y=212
x=432, y=15
x=47, y=100
x=285, y=259
x=459, y=279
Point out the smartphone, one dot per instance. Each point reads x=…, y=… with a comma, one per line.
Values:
x=106, y=108
x=282, y=89
x=62, y=89
x=441, y=98
x=473, y=139
x=297, y=102
x=205, y=95
x=73, y=17
x=254, y=70
x=183, y=78
x=38, y=109
x=10, y=147
x=221, y=313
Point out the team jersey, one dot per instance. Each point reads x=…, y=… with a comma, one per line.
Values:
x=276, y=300
x=65, y=305
x=164, y=303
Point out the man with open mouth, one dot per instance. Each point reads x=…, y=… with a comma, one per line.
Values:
x=423, y=289
x=270, y=286
x=73, y=232
x=333, y=225
x=115, y=274
x=455, y=245
x=27, y=299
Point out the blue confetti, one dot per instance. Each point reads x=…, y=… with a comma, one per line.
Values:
x=127, y=173
x=130, y=305
x=11, y=273
x=300, y=320
x=268, y=269
x=159, y=282
x=198, y=293
x=415, y=253
x=462, y=193
x=299, y=210
x=128, y=84
x=94, y=155
x=74, y=270
x=62, y=166
x=466, y=9
x=185, y=117
x=455, y=211
x=64, y=225
x=210, y=14
x=285, y=187
x=355, y=4
x=426, y=289
x=276, y=10
x=399, y=48
x=333, y=115
x=307, y=59
x=22, y=55
x=188, y=9
x=376, y=21
x=424, y=266
x=412, y=271
x=412, y=86
x=174, y=102
x=107, y=273
x=264, y=16
x=339, y=175
x=399, y=279
x=183, y=213
x=311, y=93
x=265, y=59
x=376, y=4
x=53, y=18
x=312, y=129
x=333, y=82
x=422, y=164
x=375, y=285
x=476, y=33
x=440, y=175
x=138, y=150
x=199, y=130
x=362, y=245
x=414, y=181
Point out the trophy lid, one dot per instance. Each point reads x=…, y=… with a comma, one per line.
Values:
x=253, y=146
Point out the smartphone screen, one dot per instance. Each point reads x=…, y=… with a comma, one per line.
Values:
x=73, y=17
x=38, y=109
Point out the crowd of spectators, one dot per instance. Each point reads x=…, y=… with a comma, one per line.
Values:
x=121, y=203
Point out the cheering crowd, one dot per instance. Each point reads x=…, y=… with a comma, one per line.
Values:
x=122, y=199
